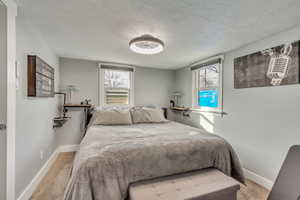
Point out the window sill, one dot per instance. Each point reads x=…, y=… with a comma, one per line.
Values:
x=200, y=111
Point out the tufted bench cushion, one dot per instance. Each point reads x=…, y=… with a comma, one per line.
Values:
x=208, y=184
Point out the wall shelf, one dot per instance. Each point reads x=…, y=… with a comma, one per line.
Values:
x=77, y=105
x=60, y=121
x=86, y=109
x=182, y=109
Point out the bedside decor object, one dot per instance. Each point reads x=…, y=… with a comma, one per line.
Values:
x=40, y=78
x=177, y=97
x=70, y=89
x=86, y=102
x=172, y=103
x=271, y=67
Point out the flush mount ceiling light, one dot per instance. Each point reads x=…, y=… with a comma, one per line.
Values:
x=146, y=44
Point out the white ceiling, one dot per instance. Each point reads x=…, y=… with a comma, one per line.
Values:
x=190, y=29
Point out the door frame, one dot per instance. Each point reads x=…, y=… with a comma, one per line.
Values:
x=11, y=98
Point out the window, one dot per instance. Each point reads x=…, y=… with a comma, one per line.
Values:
x=207, y=85
x=116, y=85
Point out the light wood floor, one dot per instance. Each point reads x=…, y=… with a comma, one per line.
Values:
x=54, y=183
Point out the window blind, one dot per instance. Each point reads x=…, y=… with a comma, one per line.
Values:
x=212, y=62
x=111, y=67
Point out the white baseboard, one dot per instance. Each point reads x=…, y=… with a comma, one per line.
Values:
x=268, y=184
x=68, y=148
x=37, y=179
x=27, y=193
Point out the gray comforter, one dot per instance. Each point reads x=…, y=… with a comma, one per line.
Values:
x=112, y=157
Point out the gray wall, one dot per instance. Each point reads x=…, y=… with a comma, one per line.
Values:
x=83, y=74
x=34, y=115
x=152, y=87
x=3, y=72
x=262, y=123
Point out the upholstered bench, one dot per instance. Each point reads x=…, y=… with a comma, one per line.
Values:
x=208, y=184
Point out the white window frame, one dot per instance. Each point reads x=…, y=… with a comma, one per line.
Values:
x=101, y=89
x=195, y=88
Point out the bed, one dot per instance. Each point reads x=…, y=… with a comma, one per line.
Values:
x=111, y=158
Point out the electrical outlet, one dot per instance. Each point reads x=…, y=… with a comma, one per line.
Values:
x=41, y=154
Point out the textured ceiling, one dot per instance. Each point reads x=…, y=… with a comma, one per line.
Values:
x=190, y=29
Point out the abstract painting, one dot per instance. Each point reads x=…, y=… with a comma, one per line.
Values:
x=271, y=67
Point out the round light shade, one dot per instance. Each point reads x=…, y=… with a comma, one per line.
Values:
x=146, y=44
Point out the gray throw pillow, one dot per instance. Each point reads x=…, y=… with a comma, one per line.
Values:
x=147, y=115
x=112, y=117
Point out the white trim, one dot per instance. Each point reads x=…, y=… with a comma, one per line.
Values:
x=132, y=95
x=101, y=86
x=101, y=100
x=27, y=193
x=29, y=190
x=207, y=59
x=260, y=180
x=213, y=112
x=11, y=98
x=68, y=148
x=195, y=82
x=116, y=64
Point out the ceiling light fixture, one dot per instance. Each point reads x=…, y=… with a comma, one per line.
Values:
x=146, y=44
